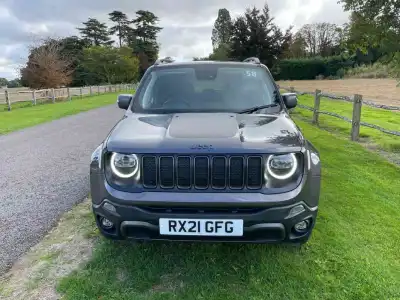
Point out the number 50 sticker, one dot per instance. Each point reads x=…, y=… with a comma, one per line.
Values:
x=251, y=73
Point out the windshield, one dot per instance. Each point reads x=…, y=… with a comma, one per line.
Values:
x=204, y=88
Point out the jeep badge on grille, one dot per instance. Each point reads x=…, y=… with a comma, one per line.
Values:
x=202, y=147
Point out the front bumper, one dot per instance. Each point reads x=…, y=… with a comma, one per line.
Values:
x=261, y=225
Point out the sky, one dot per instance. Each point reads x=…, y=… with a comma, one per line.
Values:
x=187, y=24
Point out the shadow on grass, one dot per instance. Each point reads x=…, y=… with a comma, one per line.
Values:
x=120, y=270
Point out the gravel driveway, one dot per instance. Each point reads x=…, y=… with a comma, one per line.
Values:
x=43, y=173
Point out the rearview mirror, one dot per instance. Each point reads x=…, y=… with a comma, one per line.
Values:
x=290, y=100
x=124, y=100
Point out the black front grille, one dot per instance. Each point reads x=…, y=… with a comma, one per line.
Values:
x=218, y=179
x=167, y=172
x=236, y=172
x=183, y=173
x=203, y=172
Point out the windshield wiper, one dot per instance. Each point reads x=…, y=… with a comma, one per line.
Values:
x=256, y=108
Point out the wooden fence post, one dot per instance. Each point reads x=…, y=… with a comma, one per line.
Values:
x=317, y=102
x=98, y=90
x=355, y=125
x=68, y=94
x=91, y=91
x=34, y=97
x=80, y=92
x=7, y=99
x=53, y=96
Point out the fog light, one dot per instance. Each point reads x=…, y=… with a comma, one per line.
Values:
x=296, y=211
x=106, y=223
x=302, y=226
x=109, y=207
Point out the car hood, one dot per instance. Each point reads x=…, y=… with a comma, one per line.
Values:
x=205, y=132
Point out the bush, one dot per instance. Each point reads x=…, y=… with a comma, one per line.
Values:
x=376, y=70
x=394, y=65
x=310, y=68
x=341, y=73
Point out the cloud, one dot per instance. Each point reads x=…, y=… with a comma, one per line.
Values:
x=187, y=24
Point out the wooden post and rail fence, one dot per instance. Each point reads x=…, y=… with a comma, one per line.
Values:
x=355, y=121
x=12, y=96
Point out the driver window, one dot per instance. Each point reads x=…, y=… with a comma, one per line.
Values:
x=172, y=89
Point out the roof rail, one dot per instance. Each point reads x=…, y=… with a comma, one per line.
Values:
x=253, y=60
x=166, y=60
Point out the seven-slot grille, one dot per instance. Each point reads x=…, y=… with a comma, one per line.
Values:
x=202, y=172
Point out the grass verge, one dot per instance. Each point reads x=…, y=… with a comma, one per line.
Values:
x=384, y=118
x=63, y=249
x=33, y=115
x=353, y=253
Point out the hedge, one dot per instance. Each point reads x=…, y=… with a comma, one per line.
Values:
x=310, y=68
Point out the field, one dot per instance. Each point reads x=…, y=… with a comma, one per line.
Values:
x=353, y=253
x=381, y=91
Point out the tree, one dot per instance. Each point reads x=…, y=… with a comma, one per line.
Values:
x=240, y=39
x=377, y=23
x=221, y=36
x=255, y=34
x=366, y=40
x=72, y=47
x=95, y=32
x=222, y=31
x=221, y=53
x=386, y=13
x=14, y=83
x=143, y=38
x=112, y=65
x=47, y=67
x=297, y=47
x=3, y=82
x=321, y=39
x=121, y=28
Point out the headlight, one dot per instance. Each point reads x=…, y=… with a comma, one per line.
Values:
x=124, y=165
x=96, y=156
x=281, y=166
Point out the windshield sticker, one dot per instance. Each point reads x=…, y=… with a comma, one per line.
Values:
x=249, y=73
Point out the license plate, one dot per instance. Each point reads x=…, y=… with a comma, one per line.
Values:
x=201, y=227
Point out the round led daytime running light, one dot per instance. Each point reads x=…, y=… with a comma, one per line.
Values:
x=118, y=173
x=286, y=176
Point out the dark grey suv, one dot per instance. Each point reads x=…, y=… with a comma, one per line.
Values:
x=206, y=151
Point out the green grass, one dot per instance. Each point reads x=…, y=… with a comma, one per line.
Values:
x=25, y=104
x=27, y=115
x=353, y=253
x=384, y=118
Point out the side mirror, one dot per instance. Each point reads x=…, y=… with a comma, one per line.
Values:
x=124, y=100
x=290, y=100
